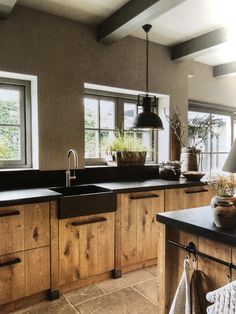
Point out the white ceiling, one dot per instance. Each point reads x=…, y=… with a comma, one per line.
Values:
x=86, y=11
x=189, y=19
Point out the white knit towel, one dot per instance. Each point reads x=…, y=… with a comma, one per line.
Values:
x=182, y=303
x=224, y=300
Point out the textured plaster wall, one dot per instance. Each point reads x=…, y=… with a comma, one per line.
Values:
x=64, y=55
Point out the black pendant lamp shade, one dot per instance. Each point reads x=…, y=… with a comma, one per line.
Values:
x=147, y=119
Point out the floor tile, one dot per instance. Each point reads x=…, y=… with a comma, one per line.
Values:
x=124, y=301
x=149, y=289
x=152, y=270
x=83, y=294
x=60, y=306
x=126, y=280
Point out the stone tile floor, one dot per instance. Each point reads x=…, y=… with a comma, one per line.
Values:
x=134, y=293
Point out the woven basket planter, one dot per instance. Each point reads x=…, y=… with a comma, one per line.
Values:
x=126, y=159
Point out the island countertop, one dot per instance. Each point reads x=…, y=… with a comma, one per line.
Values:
x=198, y=221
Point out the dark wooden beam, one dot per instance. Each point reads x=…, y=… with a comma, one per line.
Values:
x=131, y=16
x=224, y=69
x=6, y=7
x=199, y=46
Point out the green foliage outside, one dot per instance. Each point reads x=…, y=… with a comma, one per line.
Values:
x=9, y=135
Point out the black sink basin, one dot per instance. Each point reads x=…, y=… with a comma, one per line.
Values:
x=79, y=190
x=82, y=200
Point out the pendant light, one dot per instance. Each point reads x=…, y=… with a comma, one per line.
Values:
x=147, y=119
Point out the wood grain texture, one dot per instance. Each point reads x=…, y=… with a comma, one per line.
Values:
x=54, y=248
x=85, y=250
x=12, y=278
x=37, y=270
x=217, y=273
x=117, y=261
x=11, y=230
x=184, y=198
x=36, y=225
x=138, y=225
x=234, y=262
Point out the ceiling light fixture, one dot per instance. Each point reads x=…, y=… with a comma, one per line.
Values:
x=147, y=119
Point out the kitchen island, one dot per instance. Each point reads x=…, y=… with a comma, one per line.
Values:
x=183, y=227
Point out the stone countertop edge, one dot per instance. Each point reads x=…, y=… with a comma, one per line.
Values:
x=23, y=196
x=198, y=221
x=26, y=196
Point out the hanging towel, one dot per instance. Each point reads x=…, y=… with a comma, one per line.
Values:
x=182, y=303
x=224, y=300
x=199, y=289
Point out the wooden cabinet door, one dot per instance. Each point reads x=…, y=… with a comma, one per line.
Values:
x=36, y=225
x=12, y=277
x=138, y=225
x=183, y=198
x=37, y=270
x=86, y=246
x=11, y=229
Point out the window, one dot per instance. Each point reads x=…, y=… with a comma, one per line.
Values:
x=15, y=124
x=103, y=115
x=216, y=144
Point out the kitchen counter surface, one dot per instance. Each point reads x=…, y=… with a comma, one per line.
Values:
x=27, y=196
x=198, y=221
x=44, y=194
x=135, y=186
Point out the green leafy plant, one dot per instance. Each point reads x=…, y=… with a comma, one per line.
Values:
x=126, y=141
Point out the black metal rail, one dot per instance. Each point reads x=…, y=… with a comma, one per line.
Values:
x=191, y=248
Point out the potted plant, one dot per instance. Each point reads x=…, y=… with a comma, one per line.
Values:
x=224, y=203
x=198, y=129
x=126, y=150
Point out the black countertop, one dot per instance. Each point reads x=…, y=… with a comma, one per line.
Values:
x=147, y=185
x=198, y=221
x=45, y=194
x=25, y=196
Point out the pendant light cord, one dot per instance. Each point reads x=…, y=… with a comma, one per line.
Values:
x=147, y=46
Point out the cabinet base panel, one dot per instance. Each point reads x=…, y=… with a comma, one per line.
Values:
x=150, y=262
x=85, y=282
x=22, y=303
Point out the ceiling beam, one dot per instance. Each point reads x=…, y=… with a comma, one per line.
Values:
x=199, y=46
x=131, y=16
x=6, y=6
x=224, y=69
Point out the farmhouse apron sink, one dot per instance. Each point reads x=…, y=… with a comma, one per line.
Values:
x=82, y=200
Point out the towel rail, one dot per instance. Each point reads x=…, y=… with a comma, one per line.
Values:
x=191, y=248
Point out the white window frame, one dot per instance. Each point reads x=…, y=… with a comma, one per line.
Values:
x=30, y=147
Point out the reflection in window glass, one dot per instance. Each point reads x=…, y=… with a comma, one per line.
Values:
x=107, y=114
x=91, y=113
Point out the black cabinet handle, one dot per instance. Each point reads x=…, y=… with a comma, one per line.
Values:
x=144, y=196
x=90, y=221
x=193, y=192
x=9, y=263
x=13, y=213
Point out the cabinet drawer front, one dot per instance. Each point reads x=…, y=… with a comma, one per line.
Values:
x=36, y=225
x=11, y=229
x=12, y=274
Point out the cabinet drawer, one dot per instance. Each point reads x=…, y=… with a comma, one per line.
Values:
x=11, y=229
x=24, y=273
x=23, y=227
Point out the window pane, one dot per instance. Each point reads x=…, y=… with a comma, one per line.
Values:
x=9, y=106
x=91, y=144
x=205, y=162
x=106, y=137
x=217, y=162
x=107, y=114
x=91, y=112
x=130, y=111
x=10, y=143
x=221, y=138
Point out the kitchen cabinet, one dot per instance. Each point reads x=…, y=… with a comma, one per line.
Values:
x=136, y=237
x=183, y=198
x=86, y=247
x=24, y=251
